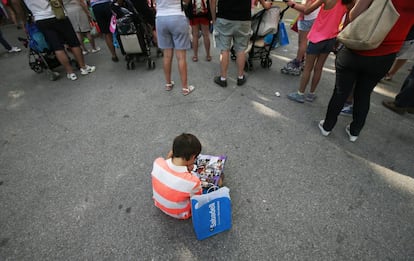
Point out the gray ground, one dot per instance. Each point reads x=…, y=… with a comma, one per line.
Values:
x=75, y=162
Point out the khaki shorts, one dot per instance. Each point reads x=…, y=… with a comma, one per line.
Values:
x=228, y=31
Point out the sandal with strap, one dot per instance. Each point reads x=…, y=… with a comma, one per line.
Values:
x=169, y=86
x=208, y=58
x=188, y=90
x=195, y=59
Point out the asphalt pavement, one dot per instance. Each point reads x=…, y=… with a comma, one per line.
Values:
x=76, y=157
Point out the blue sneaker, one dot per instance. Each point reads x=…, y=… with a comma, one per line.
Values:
x=310, y=97
x=295, y=96
x=347, y=110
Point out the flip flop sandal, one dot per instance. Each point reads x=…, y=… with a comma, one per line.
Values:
x=169, y=86
x=188, y=90
x=195, y=59
x=208, y=58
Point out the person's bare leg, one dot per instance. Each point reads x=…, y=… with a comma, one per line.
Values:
x=241, y=61
x=80, y=38
x=398, y=63
x=317, y=71
x=91, y=40
x=224, y=62
x=194, y=31
x=302, y=45
x=182, y=66
x=304, y=80
x=18, y=11
x=110, y=44
x=77, y=52
x=206, y=39
x=167, y=63
x=64, y=60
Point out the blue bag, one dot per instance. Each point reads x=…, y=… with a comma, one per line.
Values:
x=283, y=35
x=211, y=213
x=37, y=39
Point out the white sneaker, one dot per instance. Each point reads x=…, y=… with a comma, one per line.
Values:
x=87, y=69
x=352, y=138
x=323, y=131
x=96, y=50
x=85, y=52
x=72, y=76
x=14, y=49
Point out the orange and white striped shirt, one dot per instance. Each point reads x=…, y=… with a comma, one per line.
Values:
x=172, y=187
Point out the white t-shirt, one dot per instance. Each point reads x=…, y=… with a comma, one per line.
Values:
x=169, y=7
x=40, y=8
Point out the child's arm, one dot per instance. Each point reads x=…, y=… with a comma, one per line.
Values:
x=298, y=7
x=312, y=6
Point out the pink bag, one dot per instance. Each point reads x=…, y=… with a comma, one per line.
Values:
x=112, y=26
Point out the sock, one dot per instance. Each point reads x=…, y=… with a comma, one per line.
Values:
x=241, y=77
x=301, y=93
x=222, y=78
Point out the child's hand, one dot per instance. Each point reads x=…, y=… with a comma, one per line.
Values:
x=169, y=155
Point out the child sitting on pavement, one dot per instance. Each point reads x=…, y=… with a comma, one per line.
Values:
x=172, y=181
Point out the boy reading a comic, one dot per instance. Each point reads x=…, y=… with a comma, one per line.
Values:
x=172, y=181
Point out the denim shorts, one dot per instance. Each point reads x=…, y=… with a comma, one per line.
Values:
x=226, y=31
x=173, y=32
x=305, y=25
x=325, y=46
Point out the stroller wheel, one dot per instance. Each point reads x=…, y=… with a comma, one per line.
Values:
x=266, y=63
x=150, y=64
x=52, y=75
x=36, y=67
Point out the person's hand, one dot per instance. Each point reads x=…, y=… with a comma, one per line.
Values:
x=169, y=155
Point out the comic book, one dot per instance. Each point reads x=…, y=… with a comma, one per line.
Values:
x=209, y=169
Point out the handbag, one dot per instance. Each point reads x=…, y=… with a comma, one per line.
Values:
x=58, y=9
x=370, y=28
x=211, y=213
x=266, y=21
x=95, y=30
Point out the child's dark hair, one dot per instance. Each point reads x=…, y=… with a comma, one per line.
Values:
x=185, y=146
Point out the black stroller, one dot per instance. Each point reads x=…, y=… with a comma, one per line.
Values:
x=133, y=34
x=41, y=58
x=265, y=26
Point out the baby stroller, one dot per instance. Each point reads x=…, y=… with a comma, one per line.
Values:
x=41, y=58
x=133, y=34
x=265, y=27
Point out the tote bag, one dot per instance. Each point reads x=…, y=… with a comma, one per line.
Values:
x=370, y=28
x=211, y=213
x=283, y=35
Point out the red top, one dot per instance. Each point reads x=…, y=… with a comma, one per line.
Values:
x=395, y=38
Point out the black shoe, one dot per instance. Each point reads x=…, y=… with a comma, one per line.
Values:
x=391, y=105
x=241, y=81
x=220, y=82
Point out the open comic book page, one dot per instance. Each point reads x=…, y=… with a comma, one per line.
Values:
x=209, y=169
